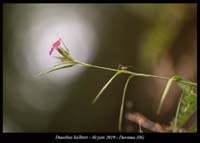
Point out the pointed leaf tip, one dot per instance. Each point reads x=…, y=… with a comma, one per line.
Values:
x=105, y=86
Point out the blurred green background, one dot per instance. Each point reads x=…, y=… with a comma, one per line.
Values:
x=158, y=39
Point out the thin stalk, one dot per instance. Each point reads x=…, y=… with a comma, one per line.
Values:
x=122, y=105
x=132, y=73
x=169, y=84
x=177, y=112
x=105, y=86
x=97, y=67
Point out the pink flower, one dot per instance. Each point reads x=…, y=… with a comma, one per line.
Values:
x=55, y=46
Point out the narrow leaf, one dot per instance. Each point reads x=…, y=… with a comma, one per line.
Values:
x=186, y=108
x=122, y=105
x=169, y=83
x=105, y=86
x=174, y=128
x=54, y=68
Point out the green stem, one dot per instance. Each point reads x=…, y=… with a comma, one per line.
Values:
x=132, y=73
x=122, y=105
x=177, y=112
x=97, y=67
x=105, y=86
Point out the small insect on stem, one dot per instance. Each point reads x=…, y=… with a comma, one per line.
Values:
x=120, y=67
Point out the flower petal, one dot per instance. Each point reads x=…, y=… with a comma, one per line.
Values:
x=51, y=50
x=57, y=43
x=55, y=46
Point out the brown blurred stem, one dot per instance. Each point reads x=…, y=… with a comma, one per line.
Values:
x=150, y=125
